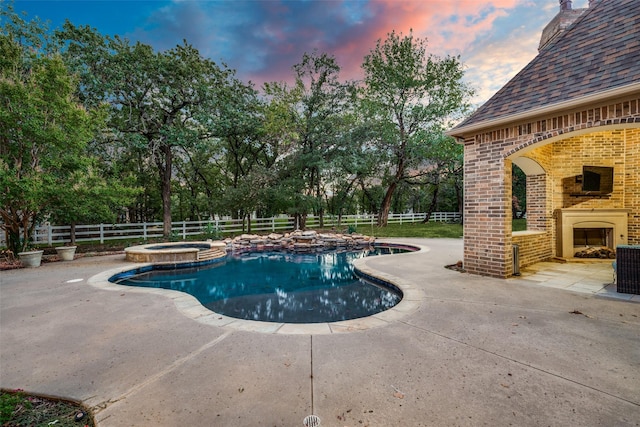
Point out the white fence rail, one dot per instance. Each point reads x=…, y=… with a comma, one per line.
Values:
x=60, y=234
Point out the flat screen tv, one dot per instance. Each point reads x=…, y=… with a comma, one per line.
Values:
x=597, y=179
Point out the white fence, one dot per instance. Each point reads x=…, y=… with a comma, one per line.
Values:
x=60, y=234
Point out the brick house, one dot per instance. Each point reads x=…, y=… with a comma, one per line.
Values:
x=571, y=121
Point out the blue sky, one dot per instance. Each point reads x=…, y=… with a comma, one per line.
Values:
x=262, y=39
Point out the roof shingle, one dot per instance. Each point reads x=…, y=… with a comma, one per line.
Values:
x=600, y=51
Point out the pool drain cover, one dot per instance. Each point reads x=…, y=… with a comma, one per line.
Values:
x=312, y=421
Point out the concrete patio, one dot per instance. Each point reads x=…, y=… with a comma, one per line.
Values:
x=550, y=348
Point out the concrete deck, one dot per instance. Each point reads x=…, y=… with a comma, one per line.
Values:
x=550, y=348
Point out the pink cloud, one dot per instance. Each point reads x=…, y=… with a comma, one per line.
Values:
x=449, y=26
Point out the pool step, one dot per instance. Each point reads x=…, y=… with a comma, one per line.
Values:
x=210, y=254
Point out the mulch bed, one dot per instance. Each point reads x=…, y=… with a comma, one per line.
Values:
x=18, y=408
x=456, y=267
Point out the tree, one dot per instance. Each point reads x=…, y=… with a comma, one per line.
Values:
x=445, y=165
x=160, y=101
x=248, y=151
x=43, y=128
x=519, y=188
x=87, y=197
x=407, y=95
x=315, y=106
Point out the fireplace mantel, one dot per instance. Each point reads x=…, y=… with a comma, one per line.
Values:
x=569, y=219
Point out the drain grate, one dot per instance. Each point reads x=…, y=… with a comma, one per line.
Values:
x=312, y=421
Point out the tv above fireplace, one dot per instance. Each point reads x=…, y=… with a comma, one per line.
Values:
x=597, y=179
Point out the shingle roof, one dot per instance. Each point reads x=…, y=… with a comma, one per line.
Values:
x=600, y=51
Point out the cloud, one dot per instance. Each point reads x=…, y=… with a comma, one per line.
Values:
x=496, y=56
x=262, y=40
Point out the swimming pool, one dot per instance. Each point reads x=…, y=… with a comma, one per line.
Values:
x=277, y=286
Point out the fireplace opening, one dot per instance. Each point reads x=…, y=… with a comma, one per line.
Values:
x=591, y=236
x=593, y=243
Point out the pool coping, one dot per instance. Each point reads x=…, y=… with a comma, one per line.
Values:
x=190, y=307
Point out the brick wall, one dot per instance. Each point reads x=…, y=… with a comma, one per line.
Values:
x=594, y=149
x=632, y=184
x=537, y=209
x=534, y=246
x=602, y=135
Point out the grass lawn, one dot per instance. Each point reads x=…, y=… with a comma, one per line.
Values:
x=431, y=229
x=519, y=224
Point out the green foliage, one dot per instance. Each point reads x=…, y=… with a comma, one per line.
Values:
x=165, y=133
x=311, y=118
x=519, y=192
x=407, y=98
x=211, y=231
x=88, y=198
x=43, y=129
x=160, y=102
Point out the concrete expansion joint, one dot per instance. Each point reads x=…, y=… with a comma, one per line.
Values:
x=311, y=371
x=97, y=408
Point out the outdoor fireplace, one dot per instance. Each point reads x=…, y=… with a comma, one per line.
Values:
x=585, y=231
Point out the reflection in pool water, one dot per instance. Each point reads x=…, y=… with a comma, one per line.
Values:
x=278, y=286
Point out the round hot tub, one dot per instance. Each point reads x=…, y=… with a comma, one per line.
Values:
x=176, y=252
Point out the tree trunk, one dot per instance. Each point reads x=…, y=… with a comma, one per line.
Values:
x=11, y=227
x=165, y=166
x=72, y=234
x=460, y=202
x=432, y=205
x=383, y=216
x=299, y=221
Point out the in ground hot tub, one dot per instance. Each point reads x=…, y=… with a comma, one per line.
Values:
x=176, y=252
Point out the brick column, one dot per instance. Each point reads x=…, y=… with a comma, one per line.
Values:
x=537, y=203
x=487, y=210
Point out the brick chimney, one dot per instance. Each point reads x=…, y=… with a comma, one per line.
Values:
x=560, y=23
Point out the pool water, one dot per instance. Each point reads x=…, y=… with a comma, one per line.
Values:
x=278, y=286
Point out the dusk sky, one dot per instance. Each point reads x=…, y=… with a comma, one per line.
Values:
x=263, y=39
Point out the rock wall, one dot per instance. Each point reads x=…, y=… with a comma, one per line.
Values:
x=299, y=241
